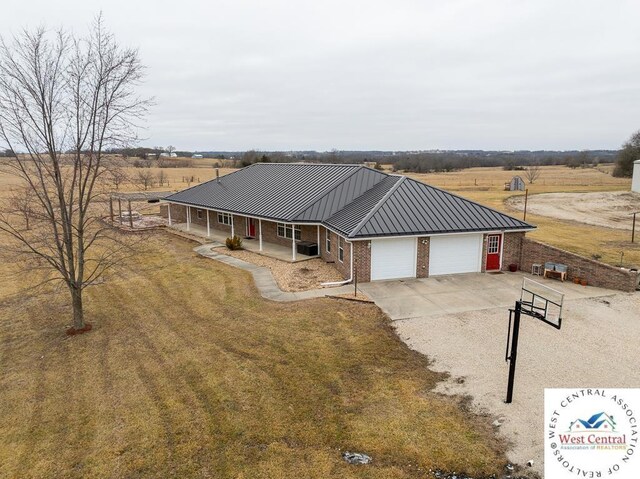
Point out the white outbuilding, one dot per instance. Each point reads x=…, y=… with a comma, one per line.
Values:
x=635, y=181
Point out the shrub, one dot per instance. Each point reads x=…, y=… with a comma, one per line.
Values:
x=234, y=243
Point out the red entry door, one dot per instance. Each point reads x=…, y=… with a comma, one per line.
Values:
x=494, y=247
x=251, y=227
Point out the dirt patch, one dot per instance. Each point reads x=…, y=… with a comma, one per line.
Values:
x=301, y=276
x=608, y=209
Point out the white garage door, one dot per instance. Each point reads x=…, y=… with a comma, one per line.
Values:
x=393, y=258
x=451, y=254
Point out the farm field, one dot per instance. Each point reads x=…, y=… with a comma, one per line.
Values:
x=189, y=373
x=486, y=185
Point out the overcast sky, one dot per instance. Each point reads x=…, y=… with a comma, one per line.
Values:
x=390, y=75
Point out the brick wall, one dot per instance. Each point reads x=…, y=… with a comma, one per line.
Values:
x=596, y=273
x=344, y=266
x=512, y=250
x=422, y=269
x=362, y=260
x=483, y=258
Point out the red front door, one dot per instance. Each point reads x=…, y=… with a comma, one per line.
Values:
x=251, y=227
x=494, y=248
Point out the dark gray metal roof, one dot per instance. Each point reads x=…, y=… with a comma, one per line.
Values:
x=284, y=191
x=347, y=219
x=355, y=185
x=411, y=208
x=356, y=201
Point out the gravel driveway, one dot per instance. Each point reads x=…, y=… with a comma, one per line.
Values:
x=460, y=322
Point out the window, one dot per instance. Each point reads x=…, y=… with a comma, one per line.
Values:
x=493, y=246
x=340, y=249
x=328, y=247
x=285, y=231
x=224, y=218
x=199, y=214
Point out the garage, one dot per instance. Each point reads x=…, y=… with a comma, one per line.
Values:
x=393, y=258
x=451, y=254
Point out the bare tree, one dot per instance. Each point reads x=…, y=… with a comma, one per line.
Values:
x=117, y=175
x=21, y=204
x=170, y=149
x=60, y=93
x=532, y=173
x=162, y=178
x=145, y=178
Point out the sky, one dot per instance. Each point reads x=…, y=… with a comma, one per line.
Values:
x=373, y=75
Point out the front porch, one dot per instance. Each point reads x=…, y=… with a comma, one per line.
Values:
x=270, y=250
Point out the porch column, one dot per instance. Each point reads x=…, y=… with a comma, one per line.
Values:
x=318, y=240
x=188, y=217
x=232, y=229
x=208, y=226
x=260, y=233
x=169, y=212
x=293, y=242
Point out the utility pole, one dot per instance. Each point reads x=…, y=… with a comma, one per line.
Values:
x=526, y=198
x=633, y=227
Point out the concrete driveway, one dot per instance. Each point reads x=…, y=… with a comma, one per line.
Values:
x=460, y=323
x=458, y=293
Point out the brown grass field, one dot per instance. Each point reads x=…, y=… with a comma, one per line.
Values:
x=189, y=373
x=486, y=186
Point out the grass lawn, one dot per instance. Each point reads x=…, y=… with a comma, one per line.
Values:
x=189, y=373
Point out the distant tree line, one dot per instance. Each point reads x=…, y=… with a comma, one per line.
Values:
x=410, y=161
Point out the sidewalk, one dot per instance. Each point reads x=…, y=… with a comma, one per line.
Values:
x=263, y=278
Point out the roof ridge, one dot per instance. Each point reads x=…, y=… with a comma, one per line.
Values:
x=362, y=222
x=329, y=189
x=467, y=200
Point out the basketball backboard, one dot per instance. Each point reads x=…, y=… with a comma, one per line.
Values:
x=542, y=302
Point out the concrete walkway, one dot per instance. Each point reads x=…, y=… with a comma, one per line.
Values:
x=263, y=278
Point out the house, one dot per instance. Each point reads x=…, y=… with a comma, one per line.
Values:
x=196, y=155
x=516, y=184
x=635, y=181
x=379, y=225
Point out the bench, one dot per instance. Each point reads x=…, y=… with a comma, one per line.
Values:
x=555, y=270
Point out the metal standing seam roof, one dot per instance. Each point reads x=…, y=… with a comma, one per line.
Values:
x=413, y=208
x=354, y=200
x=283, y=191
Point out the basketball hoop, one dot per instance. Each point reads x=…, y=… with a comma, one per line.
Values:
x=540, y=302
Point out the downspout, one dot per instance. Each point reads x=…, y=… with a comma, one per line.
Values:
x=346, y=281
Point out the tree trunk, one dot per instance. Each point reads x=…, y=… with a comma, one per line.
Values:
x=78, y=312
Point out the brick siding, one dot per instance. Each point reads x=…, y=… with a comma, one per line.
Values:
x=362, y=260
x=596, y=273
x=512, y=250
x=344, y=266
x=422, y=268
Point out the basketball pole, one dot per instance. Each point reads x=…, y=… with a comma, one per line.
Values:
x=514, y=351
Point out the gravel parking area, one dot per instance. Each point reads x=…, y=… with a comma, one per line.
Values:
x=596, y=347
x=301, y=276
